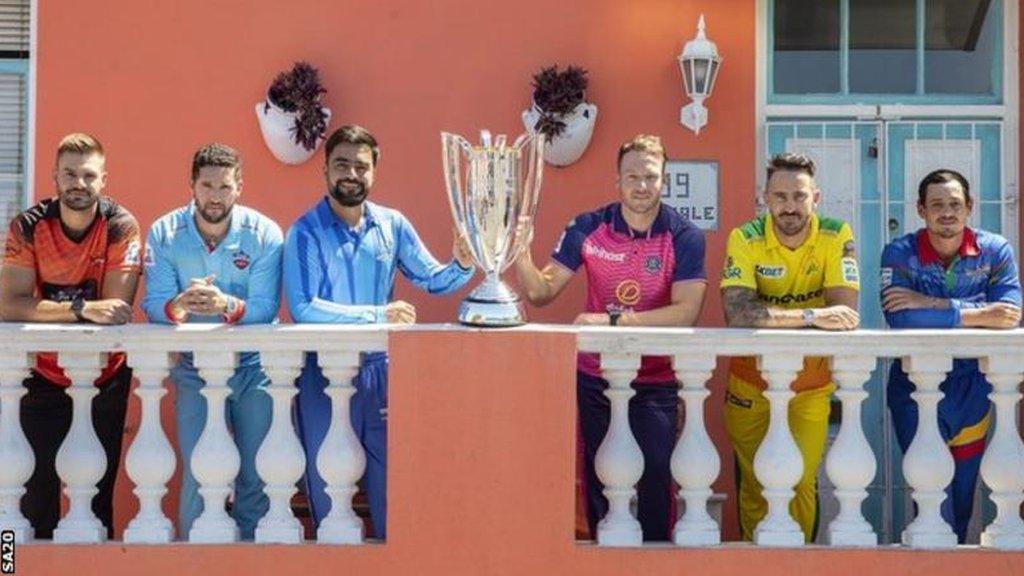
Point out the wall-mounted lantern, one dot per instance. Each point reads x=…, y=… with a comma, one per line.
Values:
x=699, y=63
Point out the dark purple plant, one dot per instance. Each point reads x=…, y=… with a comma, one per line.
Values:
x=556, y=94
x=299, y=90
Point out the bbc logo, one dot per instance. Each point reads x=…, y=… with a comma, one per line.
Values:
x=7, y=552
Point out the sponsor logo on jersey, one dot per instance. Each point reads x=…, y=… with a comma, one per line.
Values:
x=628, y=292
x=737, y=401
x=240, y=259
x=731, y=270
x=132, y=253
x=791, y=298
x=653, y=264
x=148, y=259
x=602, y=254
x=886, y=277
x=774, y=272
x=851, y=273
x=812, y=268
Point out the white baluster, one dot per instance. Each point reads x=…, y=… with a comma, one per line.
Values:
x=215, y=459
x=150, y=460
x=619, y=463
x=1002, y=466
x=851, y=463
x=341, y=459
x=81, y=461
x=778, y=464
x=280, y=461
x=928, y=464
x=15, y=452
x=695, y=463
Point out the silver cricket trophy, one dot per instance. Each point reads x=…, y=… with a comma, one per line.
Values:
x=491, y=186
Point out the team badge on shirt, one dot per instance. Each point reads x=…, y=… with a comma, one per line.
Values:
x=653, y=264
x=628, y=292
x=240, y=259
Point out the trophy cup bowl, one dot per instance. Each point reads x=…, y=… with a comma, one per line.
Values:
x=493, y=191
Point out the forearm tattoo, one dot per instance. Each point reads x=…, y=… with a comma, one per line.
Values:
x=743, y=309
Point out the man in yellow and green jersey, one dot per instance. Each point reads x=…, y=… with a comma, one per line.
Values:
x=787, y=269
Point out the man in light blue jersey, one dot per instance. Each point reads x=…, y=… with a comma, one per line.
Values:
x=340, y=262
x=215, y=261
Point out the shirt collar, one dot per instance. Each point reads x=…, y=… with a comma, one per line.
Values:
x=620, y=226
x=772, y=241
x=329, y=219
x=926, y=253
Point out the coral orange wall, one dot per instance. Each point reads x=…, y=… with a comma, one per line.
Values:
x=155, y=80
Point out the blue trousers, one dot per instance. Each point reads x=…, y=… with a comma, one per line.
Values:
x=963, y=425
x=249, y=411
x=652, y=417
x=368, y=411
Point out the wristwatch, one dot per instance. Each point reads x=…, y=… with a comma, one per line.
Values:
x=613, y=318
x=77, y=305
x=808, y=317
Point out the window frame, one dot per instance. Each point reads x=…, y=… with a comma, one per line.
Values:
x=844, y=96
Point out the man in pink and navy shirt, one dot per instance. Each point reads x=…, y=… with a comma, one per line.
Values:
x=645, y=267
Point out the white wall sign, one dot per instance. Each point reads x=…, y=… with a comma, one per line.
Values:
x=691, y=189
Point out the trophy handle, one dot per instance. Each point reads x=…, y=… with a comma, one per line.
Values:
x=531, y=167
x=452, y=148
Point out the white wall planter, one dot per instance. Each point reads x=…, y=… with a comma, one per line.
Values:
x=278, y=128
x=568, y=146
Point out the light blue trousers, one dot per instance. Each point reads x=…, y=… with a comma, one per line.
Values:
x=248, y=412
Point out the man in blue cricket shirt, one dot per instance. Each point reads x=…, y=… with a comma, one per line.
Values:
x=340, y=264
x=948, y=275
x=215, y=261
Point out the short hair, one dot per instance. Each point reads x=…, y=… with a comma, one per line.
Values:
x=352, y=134
x=219, y=155
x=790, y=162
x=942, y=176
x=643, y=143
x=79, y=143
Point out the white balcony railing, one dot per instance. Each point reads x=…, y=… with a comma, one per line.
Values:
x=928, y=465
x=215, y=462
x=850, y=465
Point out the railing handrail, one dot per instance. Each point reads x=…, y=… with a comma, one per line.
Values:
x=961, y=343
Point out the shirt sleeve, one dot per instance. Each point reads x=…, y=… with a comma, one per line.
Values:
x=420, y=266
x=303, y=274
x=688, y=246
x=264, y=295
x=161, y=277
x=18, y=251
x=738, y=270
x=124, y=253
x=895, y=271
x=841, y=270
x=569, y=249
x=1004, y=281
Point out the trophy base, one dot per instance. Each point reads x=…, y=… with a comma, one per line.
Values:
x=492, y=305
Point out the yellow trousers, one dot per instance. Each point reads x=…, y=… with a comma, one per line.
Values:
x=746, y=421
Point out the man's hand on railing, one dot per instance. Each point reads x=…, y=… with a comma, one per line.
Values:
x=836, y=318
x=400, y=312
x=1000, y=315
x=109, y=311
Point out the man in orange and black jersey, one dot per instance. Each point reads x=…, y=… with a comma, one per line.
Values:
x=72, y=258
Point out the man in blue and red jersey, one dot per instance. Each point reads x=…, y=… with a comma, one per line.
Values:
x=340, y=262
x=645, y=267
x=948, y=275
x=73, y=258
